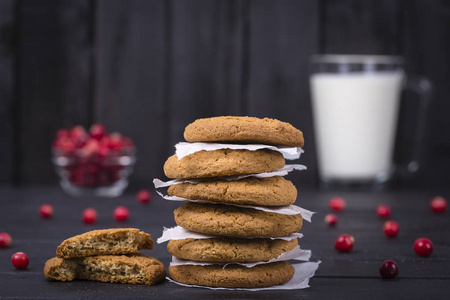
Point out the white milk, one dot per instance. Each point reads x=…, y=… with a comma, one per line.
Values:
x=355, y=118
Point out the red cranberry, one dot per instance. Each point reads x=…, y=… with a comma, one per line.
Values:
x=423, y=247
x=46, y=211
x=91, y=147
x=391, y=228
x=65, y=144
x=344, y=243
x=62, y=133
x=389, y=269
x=103, y=178
x=89, y=215
x=88, y=179
x=104, y=141
x=337, y=203
x=331, y=219
x=115, y=141
x=127, y=142
x=97, y=131
x=144, y=196
x=92, y=168
x=438, y=204
x=103, y=150
x=114, y=173
x=77, y=178
x=383, y=211
x=20, y=260
x=5, y=240
x=78, y=135
x=121, y=213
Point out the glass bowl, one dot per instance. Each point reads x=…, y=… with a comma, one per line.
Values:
x=98, y=174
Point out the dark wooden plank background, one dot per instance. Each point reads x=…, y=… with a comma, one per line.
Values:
x=148, y=68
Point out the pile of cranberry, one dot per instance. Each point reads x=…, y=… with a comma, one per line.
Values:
x=91, y=158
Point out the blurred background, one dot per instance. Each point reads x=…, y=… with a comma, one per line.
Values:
x=147, y=68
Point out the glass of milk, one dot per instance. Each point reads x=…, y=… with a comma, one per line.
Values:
x=355, y=101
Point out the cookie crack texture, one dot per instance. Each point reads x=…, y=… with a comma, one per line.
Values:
x=233, y=275
x=244, y=130
x=232, y=221
x=133, y=268
x=273, y=191
x=106, y=241
x=224, y=249
x=223, y=162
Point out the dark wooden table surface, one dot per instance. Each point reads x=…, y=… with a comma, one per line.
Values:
x=351, y=275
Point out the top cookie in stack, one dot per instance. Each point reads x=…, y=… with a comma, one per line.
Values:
x=248, y=130
x=241, y=232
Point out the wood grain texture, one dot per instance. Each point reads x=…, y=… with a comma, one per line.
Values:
x=282, y=36
x=361, y=27
x=54, y=81
x=207, y=44
x=149, y=68
x=7, y=85
x=131, y=73
x=340, y=275
x=426, y=47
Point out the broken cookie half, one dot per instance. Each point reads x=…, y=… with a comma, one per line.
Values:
x=108, y=255
x=105, y=242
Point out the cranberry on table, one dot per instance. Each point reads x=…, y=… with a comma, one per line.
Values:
x=46, y=210
x=337, y=203
x=383, y=211
x=391, y=228
x=144, y=196
x=423, y=247
x=344, y=243
x=121, y=213
x=20, y=260
x=331, y=219
x=438, y=204
x=389, y=269
x=89, y=215
x=5, y=240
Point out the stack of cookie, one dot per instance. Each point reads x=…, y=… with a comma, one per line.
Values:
x=219, y=204
x=108, y=255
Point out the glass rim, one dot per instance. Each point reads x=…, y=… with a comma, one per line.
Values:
x=356, y=59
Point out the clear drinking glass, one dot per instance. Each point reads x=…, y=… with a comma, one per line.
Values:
x=355, y=101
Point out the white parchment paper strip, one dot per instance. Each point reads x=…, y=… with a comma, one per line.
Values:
x=184, y=148
x=296, y=253
x=180, y=233
x=280, y=172
x=303, y=272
